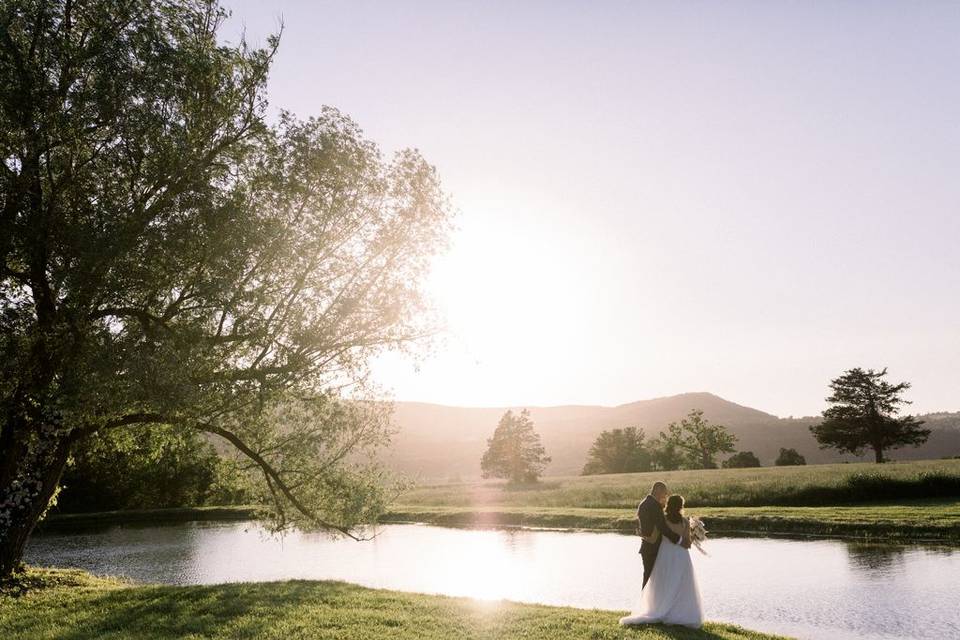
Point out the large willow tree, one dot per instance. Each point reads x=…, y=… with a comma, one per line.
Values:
x=170, y=257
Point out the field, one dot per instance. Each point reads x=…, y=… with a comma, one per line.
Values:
x=812, y=485
x=74, y=605
x=908, y=500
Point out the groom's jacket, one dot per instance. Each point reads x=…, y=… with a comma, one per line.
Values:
x=652, y=522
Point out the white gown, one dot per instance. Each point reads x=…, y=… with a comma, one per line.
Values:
x=671, y=595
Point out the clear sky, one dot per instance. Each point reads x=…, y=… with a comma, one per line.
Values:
x=745, y=198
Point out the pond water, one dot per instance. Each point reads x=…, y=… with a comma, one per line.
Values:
x=803, y=588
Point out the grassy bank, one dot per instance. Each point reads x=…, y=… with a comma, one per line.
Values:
x=923, y=520
x=74, y=605
x=808, y=486
x=927, y=520
x=56, y=521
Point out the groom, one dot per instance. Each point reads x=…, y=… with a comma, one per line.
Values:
x=653, y=527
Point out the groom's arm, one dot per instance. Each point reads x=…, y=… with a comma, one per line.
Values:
x=669, y=533
x=666, y=531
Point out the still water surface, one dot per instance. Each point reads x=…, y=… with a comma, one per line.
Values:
x=822, y=589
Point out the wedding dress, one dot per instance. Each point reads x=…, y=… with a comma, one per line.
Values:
x=671, y=595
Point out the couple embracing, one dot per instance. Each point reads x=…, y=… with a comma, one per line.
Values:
x=669, y=592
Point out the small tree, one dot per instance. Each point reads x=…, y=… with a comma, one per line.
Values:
x=699, y=440
x=618, y=451
x=789, y=457
x=514, y=452
x=741, y=460
x=864, y=415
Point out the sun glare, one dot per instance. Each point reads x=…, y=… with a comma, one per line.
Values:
x=510, y=297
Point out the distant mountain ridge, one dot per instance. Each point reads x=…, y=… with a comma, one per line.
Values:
x=438, y=442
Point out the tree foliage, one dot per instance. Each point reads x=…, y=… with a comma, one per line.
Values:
x=665, y=455
x=865, y=415
x=699, y=440
x=153, y=467
x=618, y=451
x=789, y=457
x=741, y=460
x=514, y=452
x=168, y=257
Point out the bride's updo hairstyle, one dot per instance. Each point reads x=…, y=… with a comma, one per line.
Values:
x=674, y=510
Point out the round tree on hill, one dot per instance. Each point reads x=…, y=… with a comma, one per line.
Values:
x=741, y=460
x=865, y=415
x=789, y=457
x=618, y=451
x=169, y=257
x=514, y=452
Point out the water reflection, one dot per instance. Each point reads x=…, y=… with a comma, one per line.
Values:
x=807, y=589
x=879, y=558
x=887, y=559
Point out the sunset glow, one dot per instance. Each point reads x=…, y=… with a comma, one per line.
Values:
x=690, y=199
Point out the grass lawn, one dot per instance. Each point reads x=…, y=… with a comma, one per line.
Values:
x=72, y=605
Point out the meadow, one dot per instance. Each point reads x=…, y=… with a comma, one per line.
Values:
x=65, y=604
x=906, y=500
x=809, y=485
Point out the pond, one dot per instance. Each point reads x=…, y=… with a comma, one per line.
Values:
x=803, y=588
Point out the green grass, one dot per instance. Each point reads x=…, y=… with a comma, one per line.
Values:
x=69, y=605
x=813, y=485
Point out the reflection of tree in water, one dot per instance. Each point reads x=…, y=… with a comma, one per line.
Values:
x=516, y=540
x=874, y=557
x=884, y=558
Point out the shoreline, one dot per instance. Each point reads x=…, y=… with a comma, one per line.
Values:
x=92, y=607
x=722, y=523
x=870, y=523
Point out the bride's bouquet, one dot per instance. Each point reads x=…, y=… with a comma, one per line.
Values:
x=698, y=534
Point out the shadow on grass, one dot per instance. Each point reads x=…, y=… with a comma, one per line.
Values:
x=316, y=610
x=232, y=610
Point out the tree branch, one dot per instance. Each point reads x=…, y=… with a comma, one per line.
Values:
x=272, y=477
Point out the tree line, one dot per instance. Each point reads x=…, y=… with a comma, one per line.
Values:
x=157, y=466
x=863, y=415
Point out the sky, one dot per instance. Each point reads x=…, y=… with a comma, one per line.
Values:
x=745, y=198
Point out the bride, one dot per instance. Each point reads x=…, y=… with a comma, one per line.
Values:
x=671, y=596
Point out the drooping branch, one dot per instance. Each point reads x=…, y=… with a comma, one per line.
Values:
x=273, y=477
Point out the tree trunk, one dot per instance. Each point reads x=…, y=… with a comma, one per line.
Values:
x=25, y=496
x=878, y=454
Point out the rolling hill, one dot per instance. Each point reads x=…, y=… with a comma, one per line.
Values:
x=437, y=442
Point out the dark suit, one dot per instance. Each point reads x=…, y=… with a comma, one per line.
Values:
x=650, y=514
